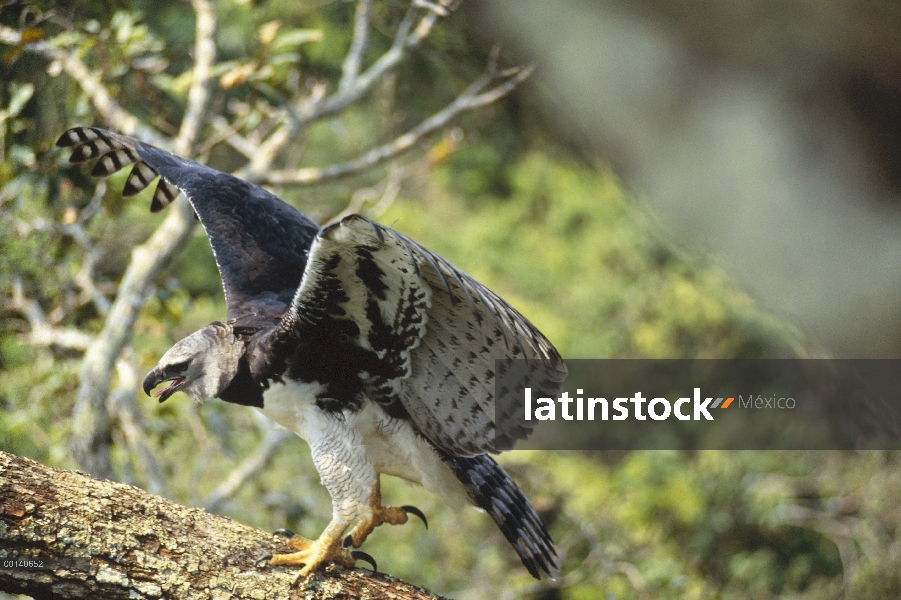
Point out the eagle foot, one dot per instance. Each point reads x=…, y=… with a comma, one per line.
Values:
x=412, y=510
x=392, y=515
x=360, y=555
x=284, y=532
x=312, y=554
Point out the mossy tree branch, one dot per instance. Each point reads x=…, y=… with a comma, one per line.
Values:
x=117, y=541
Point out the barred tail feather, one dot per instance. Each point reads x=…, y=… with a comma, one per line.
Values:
x=492, y=489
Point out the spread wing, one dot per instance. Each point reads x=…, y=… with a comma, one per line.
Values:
x=254, y=234
x=433, y=331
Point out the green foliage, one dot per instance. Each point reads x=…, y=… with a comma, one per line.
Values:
x=558, y=238
x=586, y=263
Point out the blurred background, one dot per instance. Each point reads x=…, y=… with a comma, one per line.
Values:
x=766, y=133
x=676, y=179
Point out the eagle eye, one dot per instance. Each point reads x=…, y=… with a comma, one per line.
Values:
x=178, y=367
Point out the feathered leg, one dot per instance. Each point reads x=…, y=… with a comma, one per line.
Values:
x=353, y=483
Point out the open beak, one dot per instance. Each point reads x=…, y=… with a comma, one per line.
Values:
x=154, y=378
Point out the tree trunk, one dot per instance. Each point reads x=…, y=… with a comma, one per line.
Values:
x=94, y=538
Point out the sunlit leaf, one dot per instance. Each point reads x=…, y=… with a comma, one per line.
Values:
x=289, y=39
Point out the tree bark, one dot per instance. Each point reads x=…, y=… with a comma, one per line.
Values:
x=109, y=540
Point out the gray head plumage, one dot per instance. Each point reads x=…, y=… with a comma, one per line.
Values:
x=200, y=365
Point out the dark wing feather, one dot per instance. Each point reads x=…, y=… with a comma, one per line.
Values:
x=433, y=330
x=260, y=242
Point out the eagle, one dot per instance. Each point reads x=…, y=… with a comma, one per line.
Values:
x=376, y=351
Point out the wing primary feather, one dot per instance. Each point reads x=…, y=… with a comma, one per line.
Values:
x=436, y=262
x=481, y=295
x=502, y=318
x=377, y=230
x=492, y=310
x=514, y=325
x=163, y=196
x=431, y=261
x=497, y=317
x=411, y=248
x=403, y=242
x=140, y=177
x=456, y=275
x=89, y=150
x=114, y=161
x=76, y=135
x=474, y=287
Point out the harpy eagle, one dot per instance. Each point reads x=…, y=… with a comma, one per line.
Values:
x=376, y=351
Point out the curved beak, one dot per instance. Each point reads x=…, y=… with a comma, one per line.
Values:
x=151, y=380
x=156, y=377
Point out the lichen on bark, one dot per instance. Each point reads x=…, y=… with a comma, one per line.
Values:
x=127, y=543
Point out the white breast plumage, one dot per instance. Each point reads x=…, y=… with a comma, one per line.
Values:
x=390, y=446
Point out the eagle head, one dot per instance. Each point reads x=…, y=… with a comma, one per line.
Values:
x=201, y=365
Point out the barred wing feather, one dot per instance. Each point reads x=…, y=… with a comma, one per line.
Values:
x=260, y=242
x=434, y=330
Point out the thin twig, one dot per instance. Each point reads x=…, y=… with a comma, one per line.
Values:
x=386, y=191
x=92, y=255
x=250, y=466
x=404, y=41
x=90, y=210
x=351, y=66
x=228, y=133
x=390, y=187
x=42, y=333
x=473, y=97
x=199, y=93
x=85, y=280
x=320, y=106
x=267, y=152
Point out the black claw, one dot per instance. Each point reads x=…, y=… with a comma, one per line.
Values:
x=284, y=532
x=260, y=559
x=412, y=510
x=347, y=542
x=359, y=555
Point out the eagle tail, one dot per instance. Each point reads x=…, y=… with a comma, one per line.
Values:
x=492, y=489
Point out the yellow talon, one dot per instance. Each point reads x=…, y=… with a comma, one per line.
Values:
x=332, y=547
x=312, y=554
x=380, y=514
